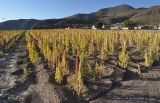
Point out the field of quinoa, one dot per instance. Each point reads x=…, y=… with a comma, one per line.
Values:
x=79, y=66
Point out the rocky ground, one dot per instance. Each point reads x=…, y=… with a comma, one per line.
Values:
x=36, y=87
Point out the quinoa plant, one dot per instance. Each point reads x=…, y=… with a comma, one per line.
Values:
x=123, y=57
x=58, y=74
x=148, y=56
x=76, y=82
x=99, y=70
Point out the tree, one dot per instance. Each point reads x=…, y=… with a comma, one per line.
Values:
x=98, y=25
x=129, y=23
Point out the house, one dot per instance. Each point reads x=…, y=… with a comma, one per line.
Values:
x=67, y=28
x=94, y=27
x=105, y=27
x=125, y=28
x=155, y=27
x=86, y=27
x=136, y=28
x=116, y=28
x=140, y=27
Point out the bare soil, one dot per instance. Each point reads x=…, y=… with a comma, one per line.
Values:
x=135, y=91
x=12, y=81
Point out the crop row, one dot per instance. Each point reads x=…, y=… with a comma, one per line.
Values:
x=7, y=38
x=83, y=54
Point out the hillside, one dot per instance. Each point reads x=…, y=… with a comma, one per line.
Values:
x=109, y=15
x=148, y=16
x=18, y=24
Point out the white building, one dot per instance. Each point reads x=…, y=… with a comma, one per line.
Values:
x=125, y=28
x=94, y=27
x=103, y=27
x=135, y=28
x=139, y=27
x=155, y=27
x=67, y=28
x=116, y=28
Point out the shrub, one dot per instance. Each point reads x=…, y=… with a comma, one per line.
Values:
x=129, y=23
x=98, y=25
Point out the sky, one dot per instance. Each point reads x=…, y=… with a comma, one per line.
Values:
x=48, y=9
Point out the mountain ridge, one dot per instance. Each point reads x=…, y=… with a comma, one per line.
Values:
x=110, y=15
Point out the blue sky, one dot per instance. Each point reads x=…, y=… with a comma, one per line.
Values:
x=45, y=9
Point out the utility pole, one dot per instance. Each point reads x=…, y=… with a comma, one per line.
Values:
x=3, y=19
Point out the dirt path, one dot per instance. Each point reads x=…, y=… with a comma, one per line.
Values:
x=136, y=91
x=7, y=81
x=15, y=86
